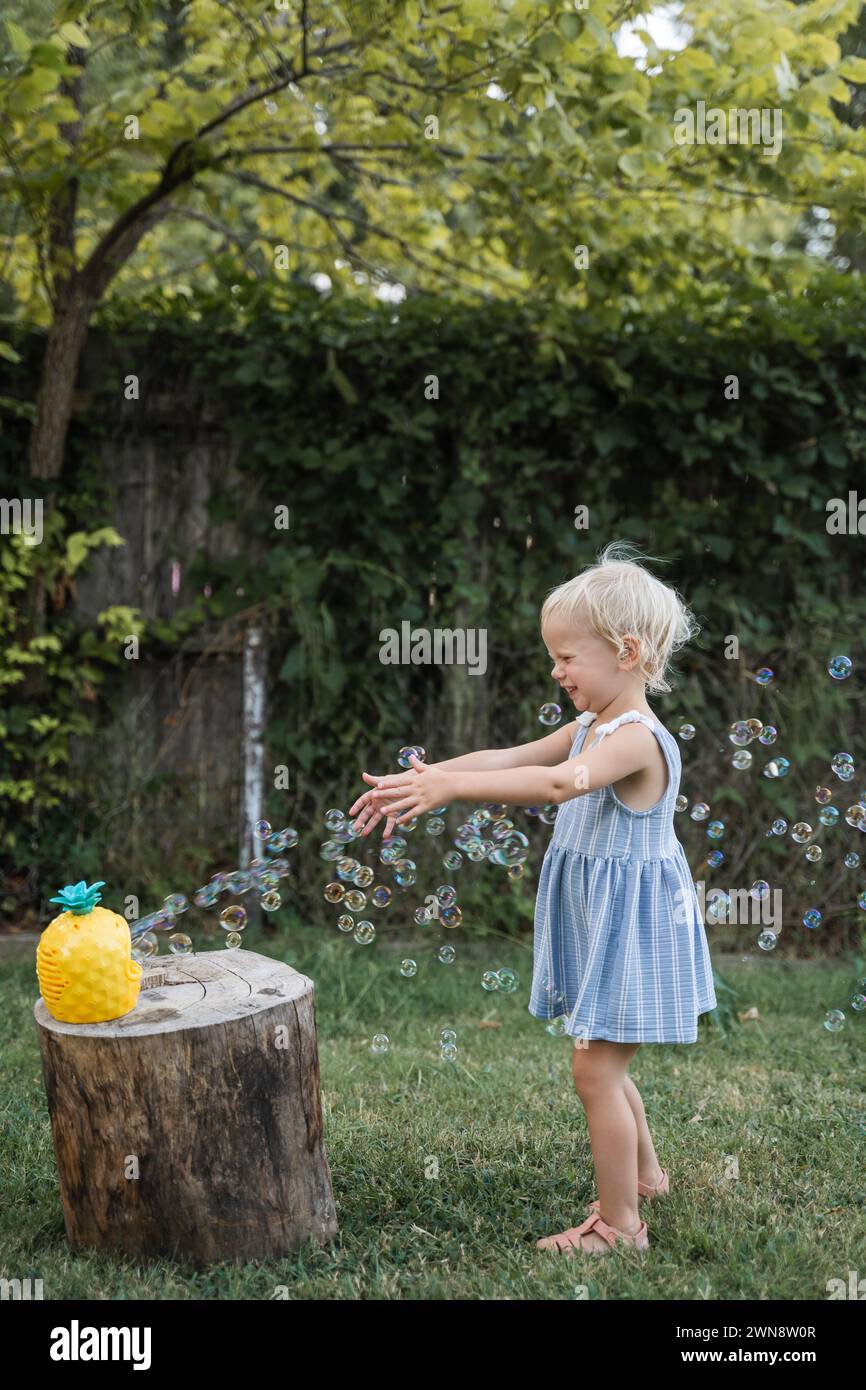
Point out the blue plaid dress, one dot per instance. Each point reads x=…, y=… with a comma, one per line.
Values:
x=620, y=947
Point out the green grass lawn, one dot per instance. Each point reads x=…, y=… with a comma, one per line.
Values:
x=779, y=1100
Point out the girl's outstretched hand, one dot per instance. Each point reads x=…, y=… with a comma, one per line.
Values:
x=366, y=812
x=411, y=793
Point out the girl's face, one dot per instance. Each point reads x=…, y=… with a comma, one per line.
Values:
x=584, y=664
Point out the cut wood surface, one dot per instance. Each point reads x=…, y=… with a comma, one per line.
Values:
x=192, y=1126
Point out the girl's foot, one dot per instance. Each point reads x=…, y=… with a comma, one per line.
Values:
x=596, y=1237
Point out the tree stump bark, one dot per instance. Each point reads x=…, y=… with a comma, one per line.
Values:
x=192, y=1127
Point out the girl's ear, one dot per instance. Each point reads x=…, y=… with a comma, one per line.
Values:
x=630, y=648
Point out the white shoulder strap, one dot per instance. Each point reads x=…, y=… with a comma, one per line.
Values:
x=630, y=717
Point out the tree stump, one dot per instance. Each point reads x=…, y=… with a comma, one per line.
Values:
x=192, y=1127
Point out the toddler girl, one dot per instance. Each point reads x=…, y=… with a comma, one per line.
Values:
x=620, y=950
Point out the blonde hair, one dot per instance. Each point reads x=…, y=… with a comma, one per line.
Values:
x=618, y=596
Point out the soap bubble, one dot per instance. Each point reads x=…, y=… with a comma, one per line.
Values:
x=858, y=1002
x=834, y=1019
x=513, y=849
x=405, y=873
x=347, y=868
x=330, y=850
x=700, y=811
x=389, y=853
x=334, y=892
x=508, y=981
x=180, y=944
x=855, y=815
x=742, y=759
x=446, y=954
x=405, y=753
x=686, y=732
x=812, y=919
x=175, y=904
x=549, y=715
x=828, y=815
x=451, y=916
x=423, y=916
x=380, y=1045
x=345, y=922
x=447, y=894
x=490, y=980
x=452, y=860
x=715, y=858
x=364, y=933
x=840, y=667
x=718, y=906
x=290, y=837
x=764, y=675
x=355, y=900
x=233, y=918
x=861, y=901
x=681, y=803
x=334, y=819
x=768, y=734
x=434, y=825
x=754, y=727
x=267, y=881
x=716, y=829
x=739, y=733
x=381, y=895
x=852, y=859
x=780, y=826
x=155, y=921
x=801, y=832
x=814, y=853
x=823, y=795
x=767, y=940
x=145, y=946
x=556, y=1027
x=206, y=896
x=778, y=767
x=408, y=968
x=363, y=876
x=448, y=1052
x=515, y=870
x=219, y=882
x=760, y=889
x=233, y=940
x=271, y=901
x=262, y=829
x=240, y=881
x=843, y=766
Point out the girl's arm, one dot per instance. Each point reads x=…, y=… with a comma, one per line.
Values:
x=629, y=749
x=541, y=752
x=544, y=752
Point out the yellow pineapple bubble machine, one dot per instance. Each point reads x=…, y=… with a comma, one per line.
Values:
x=84, y=959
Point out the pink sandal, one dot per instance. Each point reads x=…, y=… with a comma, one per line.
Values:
x=572, y=1240
x=646, y=1191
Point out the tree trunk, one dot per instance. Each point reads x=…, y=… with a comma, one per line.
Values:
x=65, y=343
x=252, y=750
x=192, y=1127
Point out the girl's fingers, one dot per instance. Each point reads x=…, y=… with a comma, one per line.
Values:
x=395, y=806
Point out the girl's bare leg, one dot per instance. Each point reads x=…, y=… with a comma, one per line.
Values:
x=599, y=1072
x=648, y=1167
